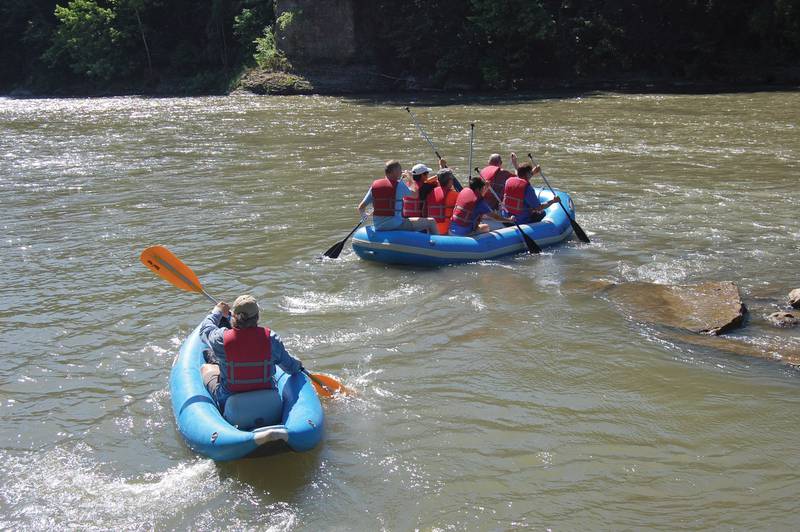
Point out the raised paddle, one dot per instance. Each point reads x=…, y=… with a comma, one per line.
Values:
x=334, y=251
x=170, y=268
x=530, y=243
x=575, y=227
x=469, y=159
x=456, y=184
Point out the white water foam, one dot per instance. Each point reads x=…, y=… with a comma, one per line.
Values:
x=62, y=488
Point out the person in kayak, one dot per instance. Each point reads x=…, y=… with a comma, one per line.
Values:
x=442, y=200
x=520, y=199
x=386, y=195
x=243, y=357
x=496, y=176
x=416, y=207
x=470, y=208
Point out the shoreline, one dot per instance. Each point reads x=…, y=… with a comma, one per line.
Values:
x=320, y=82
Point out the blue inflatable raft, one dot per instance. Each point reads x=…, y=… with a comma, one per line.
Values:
x=299, y=414
x=419, y=249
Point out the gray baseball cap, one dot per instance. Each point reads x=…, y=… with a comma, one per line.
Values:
x=245, y=307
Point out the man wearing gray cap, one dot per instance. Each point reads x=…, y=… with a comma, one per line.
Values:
x=246, y=354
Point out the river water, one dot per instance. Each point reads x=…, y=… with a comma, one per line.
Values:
x=498, y=395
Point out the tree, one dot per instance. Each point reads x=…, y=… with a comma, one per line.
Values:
x=87, y=41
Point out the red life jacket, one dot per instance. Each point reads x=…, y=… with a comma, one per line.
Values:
x=514, y=195
x=435, y=203
x=384, y=192
x=496, y=178
x=465, y=204
x=248, y=359
x=412, y=207
x=489, y=172
x=415, y=207
x=440, y=204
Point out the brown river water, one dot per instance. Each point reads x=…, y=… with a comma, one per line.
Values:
x=492, y=396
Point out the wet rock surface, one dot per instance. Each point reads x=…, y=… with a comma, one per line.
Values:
x=695, y=315
x=708, y=308
x=783, y=319
x=794, y=298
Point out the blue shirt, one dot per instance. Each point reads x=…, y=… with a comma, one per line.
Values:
x=531, y=202
x=211, y=333
x=481, y=208
x=387, y=223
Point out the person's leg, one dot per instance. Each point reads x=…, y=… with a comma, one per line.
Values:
x=210, y=374
x=482, y=228
x=423, y=224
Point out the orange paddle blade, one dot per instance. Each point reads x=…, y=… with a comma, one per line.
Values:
x=327, y=386
x=170, y=268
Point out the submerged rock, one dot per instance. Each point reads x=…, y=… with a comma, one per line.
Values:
x=783, y=319
x=707, y=308
x=794, y=298
x=678, y=313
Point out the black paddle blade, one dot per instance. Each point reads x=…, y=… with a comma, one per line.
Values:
x=578, y=231
x=530, y=243
x=334, y=251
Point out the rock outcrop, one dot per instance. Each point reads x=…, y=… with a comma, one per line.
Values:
x=316, y=32
x=783, y=319
x=708, y=308
x=794, y=298
x=678, y=313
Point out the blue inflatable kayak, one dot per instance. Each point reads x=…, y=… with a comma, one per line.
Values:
x=419, y=249
x=208, y=433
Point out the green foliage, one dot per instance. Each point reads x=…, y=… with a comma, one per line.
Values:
x=286, y=19
x=267, y=55
x=249, y=25
x=199, y=44
x=87, y=40
x=514, y=34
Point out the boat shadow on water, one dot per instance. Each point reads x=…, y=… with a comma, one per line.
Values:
x=276, y=470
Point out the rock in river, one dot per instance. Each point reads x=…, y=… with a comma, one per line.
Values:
x=794, y=298
x=783, y=319
x=708, y=308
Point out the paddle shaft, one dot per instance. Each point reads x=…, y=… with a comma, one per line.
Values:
x=361, y=221
x=471, y=139
x=577, y=228
x=541, y=173
x=456, y=183
x=422, y=132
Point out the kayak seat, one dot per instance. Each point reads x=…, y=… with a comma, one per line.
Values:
x=259, y=408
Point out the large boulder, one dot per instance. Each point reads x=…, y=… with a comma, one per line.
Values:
x=707, y=308
x=794, y=298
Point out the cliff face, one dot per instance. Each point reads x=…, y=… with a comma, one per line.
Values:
x=316, y=32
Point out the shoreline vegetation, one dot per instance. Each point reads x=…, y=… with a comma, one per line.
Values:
x=340, y=47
